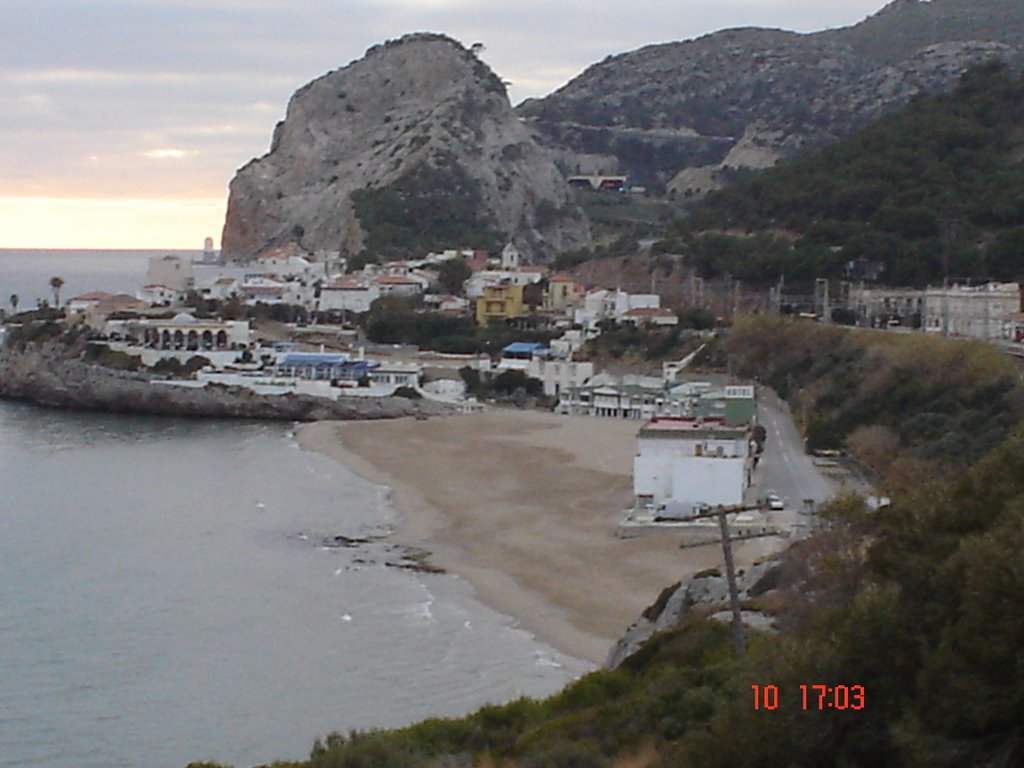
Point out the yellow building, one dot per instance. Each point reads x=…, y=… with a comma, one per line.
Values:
x=500, y=303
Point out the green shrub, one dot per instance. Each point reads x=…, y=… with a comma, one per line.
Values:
x=432, y=207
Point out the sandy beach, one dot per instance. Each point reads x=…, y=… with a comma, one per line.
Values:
x=524, y=505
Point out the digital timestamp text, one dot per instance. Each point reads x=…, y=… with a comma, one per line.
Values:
x=820, y=698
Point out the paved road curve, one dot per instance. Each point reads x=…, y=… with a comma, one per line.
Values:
x=785, y=468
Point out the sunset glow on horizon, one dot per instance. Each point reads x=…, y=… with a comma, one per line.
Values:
x=132, y=224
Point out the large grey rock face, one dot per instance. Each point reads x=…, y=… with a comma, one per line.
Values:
x=421, y=102
x=681, y=115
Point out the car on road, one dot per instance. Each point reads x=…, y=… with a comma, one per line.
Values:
x=774, y=501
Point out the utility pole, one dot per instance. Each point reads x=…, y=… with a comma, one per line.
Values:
x=734, y=596
x=821, y=302
x=738, y=630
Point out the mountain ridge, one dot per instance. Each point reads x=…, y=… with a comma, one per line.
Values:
x=772, y=91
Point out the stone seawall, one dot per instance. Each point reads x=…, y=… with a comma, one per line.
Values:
x=44, y=376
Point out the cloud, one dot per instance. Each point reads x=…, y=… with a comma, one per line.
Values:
x=169, y=154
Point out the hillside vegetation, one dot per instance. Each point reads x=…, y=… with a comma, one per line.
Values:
x=426, y=209
x=933, y=191
x=884, y=395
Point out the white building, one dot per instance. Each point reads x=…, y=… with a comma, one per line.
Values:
x=399, y=285
x=348, y=296
x=446, y=303
x=161, y=295
x=395, y=374
x=559, y=375
x=651, y=316
x=283, y=265
x=209, y=254
x=257, y=289
x=979, y=312
x=603, y=304
x=635, y=402
x=510, y=257
x=220, y=289
x=682, y=463
x=881, y=307
x=568, y=344
x=174, y=272
x=185, y=332
x=475, y=285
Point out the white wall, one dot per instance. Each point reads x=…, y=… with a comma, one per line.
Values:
x=559, y=375
x=709, y=480
x=348, y=300
x=668, y=469
x=173, y=271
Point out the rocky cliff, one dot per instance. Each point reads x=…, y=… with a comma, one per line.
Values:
x=705, y=594
x=413, y=146
x=46, y=376
x=681, y=116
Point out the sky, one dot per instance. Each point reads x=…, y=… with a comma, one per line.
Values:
x=125, y=120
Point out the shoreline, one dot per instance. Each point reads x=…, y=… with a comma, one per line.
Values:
x=524, y=507
x=48, y=376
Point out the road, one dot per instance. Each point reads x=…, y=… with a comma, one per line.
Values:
x=785, y=468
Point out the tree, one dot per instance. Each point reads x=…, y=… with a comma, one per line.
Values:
x=453, y=273
x=56, y=283
x=14, y=302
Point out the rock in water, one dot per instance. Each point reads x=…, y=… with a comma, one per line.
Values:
x=415, y=146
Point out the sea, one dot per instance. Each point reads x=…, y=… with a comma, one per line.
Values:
x=173, y=590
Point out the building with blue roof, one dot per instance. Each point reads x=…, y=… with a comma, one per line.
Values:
x=522, y=350
x=323, y=365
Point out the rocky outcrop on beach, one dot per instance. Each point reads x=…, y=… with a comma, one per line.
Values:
x=683, y=116
x=46, y=376
x=419, y=128
x=706, y=593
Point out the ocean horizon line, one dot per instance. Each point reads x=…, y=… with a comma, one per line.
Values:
x=5, y=249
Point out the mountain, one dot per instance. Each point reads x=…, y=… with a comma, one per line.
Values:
x=413, y=147
x=932, y=191
x=681, y=116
